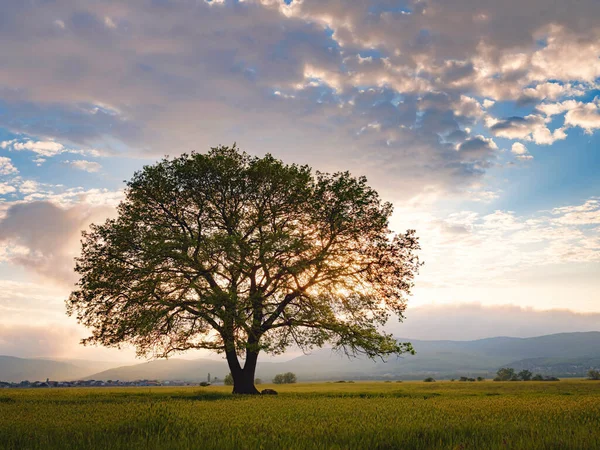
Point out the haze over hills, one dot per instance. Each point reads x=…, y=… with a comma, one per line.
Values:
x=15, y=369
x=571, y=353
x=565, y=354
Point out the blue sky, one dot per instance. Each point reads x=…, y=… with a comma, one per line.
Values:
x=478, y=119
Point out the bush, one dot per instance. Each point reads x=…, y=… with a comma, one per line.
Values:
x=466, y=379
x=285, y=378
x=594, y=374
x=538, y=377
x=205, y=383
x=257, y=381
x=505, y=374
x=228, y=380
x=525, y=375
x=429, y=380
x=480, y=379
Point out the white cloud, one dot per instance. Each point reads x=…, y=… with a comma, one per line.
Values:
x=586, y=214
x=44, y=237
x=109, y=23
x=520, y=151
x=567, y=57
x=6, y=166
x=552, y=109
x=6, y=189
x=158, y=92
x=586, y=116
x=551, y=91
x=530, y=128
x=87, y=166
x=29, y=187
x=471, y=249
x=465, y=321
x=46, y=149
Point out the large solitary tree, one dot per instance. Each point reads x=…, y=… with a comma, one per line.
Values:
x=239, y=254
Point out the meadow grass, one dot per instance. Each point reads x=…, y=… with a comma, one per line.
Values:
x=374, y=415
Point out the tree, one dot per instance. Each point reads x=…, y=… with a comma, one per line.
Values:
x=228, y=380
x=239, y=254
x=278, y=379
x=594, y=374
x=525, y=375
x=505, y=374
x=290, y=378
x=429, y=380
x=257, y=381
x=285, y=378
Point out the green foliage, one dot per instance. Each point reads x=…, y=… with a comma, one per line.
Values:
x=285, y=378
x=525, y=375
x=363, y=415
x=594, y=374
x=238, y=254
x=429, y=380
x=228, y=380
x=505, y=374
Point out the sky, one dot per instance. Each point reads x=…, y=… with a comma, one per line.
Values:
x=478, y=119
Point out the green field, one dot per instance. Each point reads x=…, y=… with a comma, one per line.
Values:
x=454, y=415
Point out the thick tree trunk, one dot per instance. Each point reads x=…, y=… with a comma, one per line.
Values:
x=243, y=378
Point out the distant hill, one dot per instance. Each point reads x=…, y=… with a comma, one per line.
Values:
x=562, y=355
x=166, y=369
x=565, y=354
x=34, y=369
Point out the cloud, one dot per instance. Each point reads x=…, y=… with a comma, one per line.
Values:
x=6, y=189
x=324, y=82
x=45, y=237
x=87, y=166
x=467, y=321
x=58, y=340
x=43, y=148
x=46, y=149
x=586, y=116
x=6, y=166
x=552, y=109
x=520, y=151
x=38, y=341
x=586, y=214
x=471, y=249
x=530, y=128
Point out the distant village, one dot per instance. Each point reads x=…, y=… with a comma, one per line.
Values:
x=98, y=383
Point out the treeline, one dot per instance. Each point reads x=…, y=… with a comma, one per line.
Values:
x=280, y=378
x=509, y=374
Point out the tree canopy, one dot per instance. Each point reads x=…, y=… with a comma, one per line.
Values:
x=240, y=254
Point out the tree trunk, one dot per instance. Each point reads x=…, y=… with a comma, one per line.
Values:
x=243, y=378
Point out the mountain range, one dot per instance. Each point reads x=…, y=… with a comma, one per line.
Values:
x=565, y=354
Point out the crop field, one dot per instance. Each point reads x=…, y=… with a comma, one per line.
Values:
x=407, y=415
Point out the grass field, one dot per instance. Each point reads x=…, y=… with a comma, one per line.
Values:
x=453, y=415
